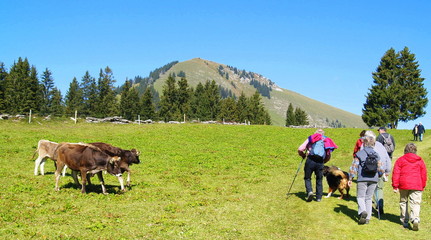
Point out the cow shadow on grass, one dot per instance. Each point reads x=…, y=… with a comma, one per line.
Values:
x=95, y=188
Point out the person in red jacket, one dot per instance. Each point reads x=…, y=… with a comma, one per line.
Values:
x=409, y=177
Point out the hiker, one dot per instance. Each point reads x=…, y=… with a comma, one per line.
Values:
x=421, y=131
x=415, y=132
x=359, y=142
x=409, y=179
x=319, y=149
x=387, y=140
x=367, y=167
x=386, y=166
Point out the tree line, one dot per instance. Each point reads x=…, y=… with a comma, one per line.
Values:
x=22, y=91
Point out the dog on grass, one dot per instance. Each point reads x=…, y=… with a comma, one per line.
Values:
x=337, y=179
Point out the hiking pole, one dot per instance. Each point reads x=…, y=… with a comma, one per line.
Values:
x=296, y=174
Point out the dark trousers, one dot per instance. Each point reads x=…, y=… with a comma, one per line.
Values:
x=315, y=166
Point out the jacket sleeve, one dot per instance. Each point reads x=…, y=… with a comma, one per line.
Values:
x=396, y=175
x=302, y=148
x=424, y=174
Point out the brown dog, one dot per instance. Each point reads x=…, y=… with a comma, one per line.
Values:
x=337, y=179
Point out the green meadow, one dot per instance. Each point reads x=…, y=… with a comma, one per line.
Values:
x=194, y=181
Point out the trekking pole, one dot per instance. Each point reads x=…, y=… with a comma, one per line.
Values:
x=299, y=167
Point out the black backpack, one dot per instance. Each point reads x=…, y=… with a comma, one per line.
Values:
x=369, y=166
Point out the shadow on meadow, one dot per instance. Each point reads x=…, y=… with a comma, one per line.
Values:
x=93, y=188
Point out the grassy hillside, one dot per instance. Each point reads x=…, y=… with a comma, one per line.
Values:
x=195, y=182
x=200, y=70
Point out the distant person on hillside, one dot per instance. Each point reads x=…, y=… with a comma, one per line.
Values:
x=359, y=142
x=410, y=178
x=421, y=131
x=415, y=132
x=367, y=178
x=319, y=149
x=387, y=140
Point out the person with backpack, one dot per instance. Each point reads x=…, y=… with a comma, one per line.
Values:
x=409, y=178
x=367, y=167
x=319, y=148
x=387, y=140
x=387, y=167
x=415, y=133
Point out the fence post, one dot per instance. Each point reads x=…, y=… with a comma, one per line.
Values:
x=184, y=118
x=139, y=119
x=29, y=117
x=76, y=115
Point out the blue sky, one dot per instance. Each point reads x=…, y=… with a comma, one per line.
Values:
x=325, y=50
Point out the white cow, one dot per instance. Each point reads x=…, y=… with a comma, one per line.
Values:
x=45, y=149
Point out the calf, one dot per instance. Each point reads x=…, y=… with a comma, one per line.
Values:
x=45, y=149
x=128, y=157
x=86, y=159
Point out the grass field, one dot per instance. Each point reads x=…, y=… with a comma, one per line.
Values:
x=194, y=182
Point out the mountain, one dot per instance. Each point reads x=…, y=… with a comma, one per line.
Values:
x=275, y=98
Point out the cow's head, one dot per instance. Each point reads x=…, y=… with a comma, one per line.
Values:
x=131, y=156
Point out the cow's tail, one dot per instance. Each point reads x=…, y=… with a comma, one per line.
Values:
x=35, y=151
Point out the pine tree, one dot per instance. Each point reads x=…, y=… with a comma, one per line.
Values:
x=74, y=99
x=106, y=100
x=300, y=117
x=3, y=75
x=398, y=93
x=129, y=103
x=57, y=107
x=89, y=94
x=197, y=106
x=147, y=106
x=184, y=97
x=228, y=111
x=169, y=101
x=47, y=87
x=242, y=108
x=290, y=116
x=211, y=99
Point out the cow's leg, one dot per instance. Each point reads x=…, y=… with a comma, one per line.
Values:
x=57, y=175
x=64, y=170
x=37, y=163
x=120, y=179
x=128, y=178
x=84, y=180
x=102, y=183
x=75, y=177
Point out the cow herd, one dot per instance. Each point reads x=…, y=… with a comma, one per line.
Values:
x=87, y=159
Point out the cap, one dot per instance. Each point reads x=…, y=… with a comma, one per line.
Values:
x=382, y=128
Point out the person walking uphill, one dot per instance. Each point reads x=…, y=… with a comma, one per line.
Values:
x=409, y=177
x=421, y=131
x=387, y=140
x=367, y=167
x=319, y=149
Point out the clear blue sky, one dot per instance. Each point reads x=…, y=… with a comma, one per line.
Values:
x=325, y=50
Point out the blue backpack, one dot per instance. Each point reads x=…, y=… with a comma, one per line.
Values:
x=318, y=149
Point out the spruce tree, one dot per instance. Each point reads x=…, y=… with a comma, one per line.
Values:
x=57, y=107
x=89, y=94
x=169, y=101
x=228, y=111
x=147, y=106
x=398, y=93
x=3, y=75
x=211, y=99
x=106, y=101
x=242, y=108
x=290, y=116
x=47, y=87
x=74, y=99
x=300, y=117
x=197, y=106
x=184, y=97
x=129, y=103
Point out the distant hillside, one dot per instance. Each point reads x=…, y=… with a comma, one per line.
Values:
x=276, y=99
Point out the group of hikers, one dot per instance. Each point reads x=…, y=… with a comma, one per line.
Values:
x=371, y=167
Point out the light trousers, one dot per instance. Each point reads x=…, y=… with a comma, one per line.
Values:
x=410, y=199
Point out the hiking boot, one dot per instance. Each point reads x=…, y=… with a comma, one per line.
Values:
x=367, y=221
x=318, y=200
x=363, y=217
x=415, y=225
x=406, y=225
x=310, y=197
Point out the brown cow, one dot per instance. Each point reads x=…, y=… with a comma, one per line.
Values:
x=86, y=159
x=45, y=149
x=128, y=157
